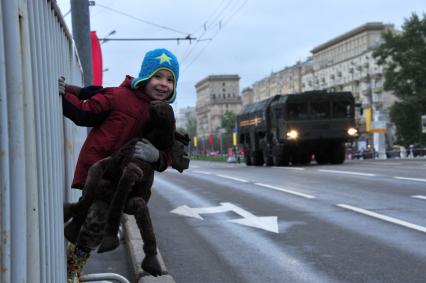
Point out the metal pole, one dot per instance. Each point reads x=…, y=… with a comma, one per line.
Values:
x=80, y=17
x=5, y=209
x=15, y=103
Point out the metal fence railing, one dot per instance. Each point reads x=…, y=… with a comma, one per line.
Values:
x=38, y=148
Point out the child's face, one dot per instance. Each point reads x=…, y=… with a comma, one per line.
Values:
x=160, y=86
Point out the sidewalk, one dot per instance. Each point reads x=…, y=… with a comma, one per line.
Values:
x=134, y=243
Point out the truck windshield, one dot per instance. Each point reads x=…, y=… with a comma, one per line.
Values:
x=297, y=111
x=342, y=109
x=320, y=109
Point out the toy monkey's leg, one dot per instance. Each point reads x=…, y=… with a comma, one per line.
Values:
x=89, y=237
x=79, y=210
x=92, y=231
x=138, y=207
x=131, y=174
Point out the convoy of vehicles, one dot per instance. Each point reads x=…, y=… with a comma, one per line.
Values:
x=291, y=129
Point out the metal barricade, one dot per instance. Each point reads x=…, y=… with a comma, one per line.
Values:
x=38, y=147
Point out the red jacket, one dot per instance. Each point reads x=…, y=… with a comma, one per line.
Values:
x=126, y=115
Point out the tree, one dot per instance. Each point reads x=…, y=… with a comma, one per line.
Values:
x=228, y=121
x=403, y=56
x=191, y=126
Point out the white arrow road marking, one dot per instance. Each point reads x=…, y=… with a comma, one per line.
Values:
x=195, y=212
x=384, y=217
x=419, y=197
x=232, y=178
x=285, y=190
x=347, y=172
x=410, y=179
x=268, y=223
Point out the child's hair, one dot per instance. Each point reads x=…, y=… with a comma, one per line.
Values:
x=155, y=60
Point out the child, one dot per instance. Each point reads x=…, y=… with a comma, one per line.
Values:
x=118, y=114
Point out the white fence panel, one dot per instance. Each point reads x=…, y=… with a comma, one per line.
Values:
x=38, y=147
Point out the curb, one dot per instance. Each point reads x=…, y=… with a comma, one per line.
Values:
x=135, y=243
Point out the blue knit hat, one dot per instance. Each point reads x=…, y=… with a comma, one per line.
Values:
x=155, y=60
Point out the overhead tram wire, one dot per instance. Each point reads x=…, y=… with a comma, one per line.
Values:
x=216, y=21
x=141, y=20
x=217, y=32
x=203, y=28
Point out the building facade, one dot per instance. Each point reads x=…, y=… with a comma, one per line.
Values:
x=285, y=81
x=183, y=114
x=344, y=63
x=216, y=94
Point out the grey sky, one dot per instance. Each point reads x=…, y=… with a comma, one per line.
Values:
x=250, y=38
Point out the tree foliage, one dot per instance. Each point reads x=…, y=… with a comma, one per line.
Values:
x=403, y=56
x=228, y=121
x=191, y=126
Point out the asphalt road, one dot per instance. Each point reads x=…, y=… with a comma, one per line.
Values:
x=362, y=221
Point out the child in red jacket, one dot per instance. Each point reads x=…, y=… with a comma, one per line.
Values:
x=117, y=115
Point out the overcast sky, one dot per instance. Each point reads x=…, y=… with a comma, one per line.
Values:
x=251, y=38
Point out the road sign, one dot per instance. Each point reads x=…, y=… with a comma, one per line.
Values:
x=268, y=223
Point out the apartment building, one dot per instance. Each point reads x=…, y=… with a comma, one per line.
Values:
x=344, y=63
x=216, y=94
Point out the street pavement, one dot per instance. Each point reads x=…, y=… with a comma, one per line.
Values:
x=324, y=235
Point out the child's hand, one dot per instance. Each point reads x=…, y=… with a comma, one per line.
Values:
x=61, y=85
x=145, y=151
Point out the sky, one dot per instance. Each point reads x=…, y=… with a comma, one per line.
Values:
x=250, y=38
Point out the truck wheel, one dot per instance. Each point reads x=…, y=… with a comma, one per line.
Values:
x=266, y=156
x=247, y=157
x=257, y=158
x=279, y=156
x=337, y=154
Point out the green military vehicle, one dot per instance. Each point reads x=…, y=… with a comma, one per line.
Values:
x=290, y=129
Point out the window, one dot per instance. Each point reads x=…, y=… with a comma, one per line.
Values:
x=342, y=109
x=297, y=111
x=320, y=109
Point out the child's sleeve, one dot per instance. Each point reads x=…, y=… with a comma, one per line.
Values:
x=88, y=113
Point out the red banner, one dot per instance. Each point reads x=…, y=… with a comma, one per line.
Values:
x=211, y=139
x=96, y=59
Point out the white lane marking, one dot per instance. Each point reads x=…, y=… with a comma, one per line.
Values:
x=202, y=172
x=384, y=217
x=289, y=168
x=347, y=172
x=419, y=197
x=268, y=223
x=285, y=190
x=232, y=178
x=410, y=179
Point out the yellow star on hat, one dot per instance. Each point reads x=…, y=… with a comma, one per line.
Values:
x=164, y=58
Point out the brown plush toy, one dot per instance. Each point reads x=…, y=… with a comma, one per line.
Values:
x=122, y=183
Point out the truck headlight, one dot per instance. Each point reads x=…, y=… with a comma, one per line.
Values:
x=352, y=131
x=292, y=135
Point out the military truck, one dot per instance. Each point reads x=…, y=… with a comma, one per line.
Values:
x=291, y=129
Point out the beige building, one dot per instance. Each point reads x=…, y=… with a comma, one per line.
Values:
x=216, y=94
x=285, y=81
x=344, y=63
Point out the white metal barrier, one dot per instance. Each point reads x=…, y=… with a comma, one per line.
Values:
x=38, y=147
